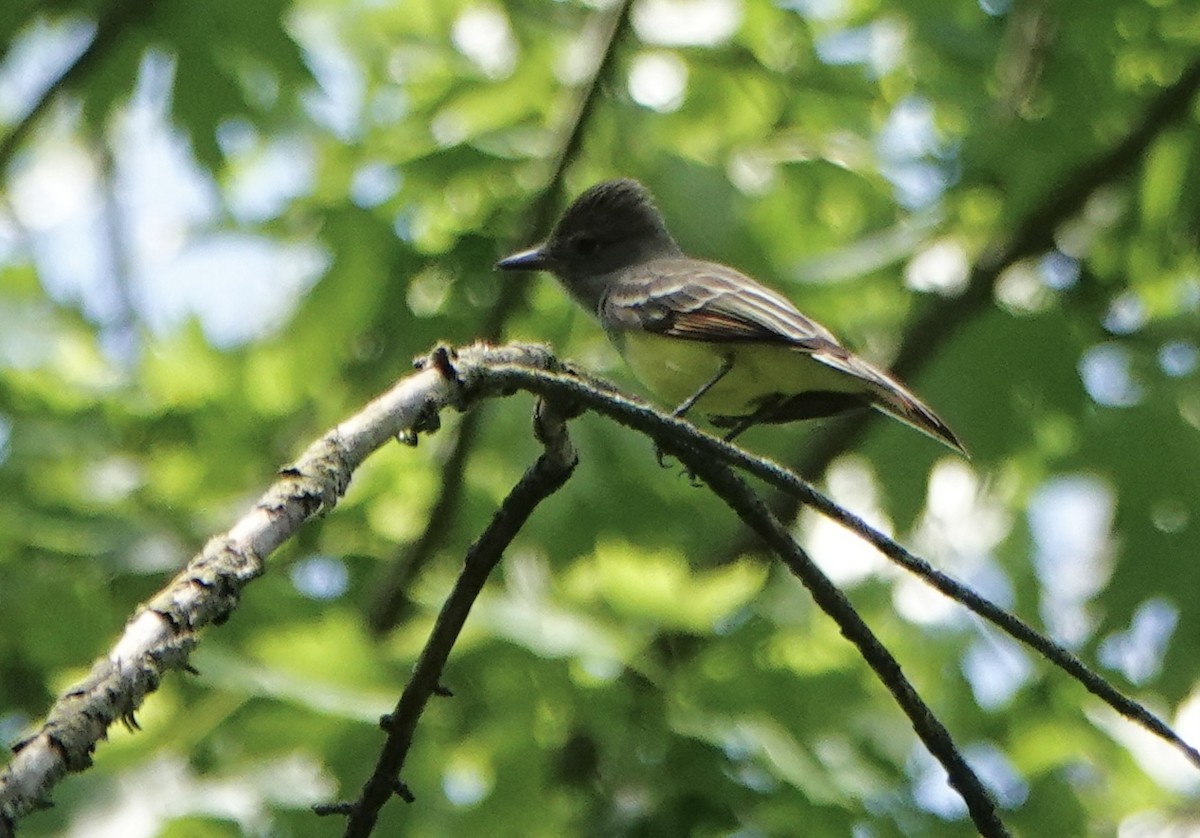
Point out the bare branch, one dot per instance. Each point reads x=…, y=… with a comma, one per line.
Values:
x=1012, y=625
x=540, y=481
x=162, y=632
x=388, y=606
x=754, y=513
x=391, y=596
x=668, y=432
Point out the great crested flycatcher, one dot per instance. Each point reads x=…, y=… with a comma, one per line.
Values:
x=704, y=335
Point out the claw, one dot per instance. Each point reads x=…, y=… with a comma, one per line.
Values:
x=661, y=457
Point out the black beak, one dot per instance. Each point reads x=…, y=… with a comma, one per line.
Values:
x=526, y=260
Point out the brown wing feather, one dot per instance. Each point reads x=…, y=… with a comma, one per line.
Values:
x=695, y=300
x=710, y=326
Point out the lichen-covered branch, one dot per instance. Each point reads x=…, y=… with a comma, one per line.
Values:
x=162, y=632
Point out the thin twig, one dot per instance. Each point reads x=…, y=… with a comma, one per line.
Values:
x=161, y=634
x=543, y=478
x=754, y=513
x=388, y=605
x=613, y=28
x=667, y=430
x=1012, y=625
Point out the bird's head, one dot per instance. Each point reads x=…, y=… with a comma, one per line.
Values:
x=610, y=226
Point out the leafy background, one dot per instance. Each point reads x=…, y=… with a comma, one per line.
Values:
x=231, y=223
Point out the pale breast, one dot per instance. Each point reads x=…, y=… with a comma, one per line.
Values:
x=674, y=369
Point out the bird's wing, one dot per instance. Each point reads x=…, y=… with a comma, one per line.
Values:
x=704, y=301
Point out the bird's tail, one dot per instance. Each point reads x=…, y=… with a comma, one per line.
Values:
x=893, y=398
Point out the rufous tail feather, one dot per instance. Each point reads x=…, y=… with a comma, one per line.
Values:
x=897, y=402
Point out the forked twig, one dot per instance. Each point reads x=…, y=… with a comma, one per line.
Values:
x=540, y=481
x=754, y=513
x=667, y=430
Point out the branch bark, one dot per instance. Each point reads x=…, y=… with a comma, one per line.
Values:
x=541, y=480
x=669, y=432
x=932, y=733
x=388, y=607
x=163, y=631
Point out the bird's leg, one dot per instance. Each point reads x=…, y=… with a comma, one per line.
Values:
x=690, y=402
x=746, y=422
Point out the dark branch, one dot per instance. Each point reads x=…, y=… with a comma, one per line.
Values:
x=1012, y=625
x=160, y=635
x=754, y=513
x=108, y=31
x=668, y=431
x=389, y=604
x=542, y=479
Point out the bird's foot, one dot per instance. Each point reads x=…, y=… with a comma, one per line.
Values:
x=661, y=456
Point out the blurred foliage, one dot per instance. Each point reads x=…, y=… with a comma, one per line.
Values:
x=238, y=221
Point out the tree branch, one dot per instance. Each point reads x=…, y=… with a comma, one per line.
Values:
x=388, y=606
x=163, y=631
x=543, y=478
x=669, y=431
x=160, y=635
x=754, y=513
x=391, y=599
x=108, y=30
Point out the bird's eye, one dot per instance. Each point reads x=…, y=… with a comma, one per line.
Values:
x=585, y=245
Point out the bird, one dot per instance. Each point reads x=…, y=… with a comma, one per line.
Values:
x=703, y=335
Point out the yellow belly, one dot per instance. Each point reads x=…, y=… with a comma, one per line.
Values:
x=674, y=369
